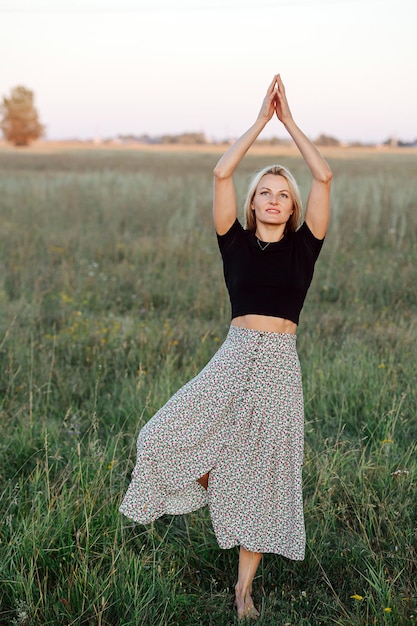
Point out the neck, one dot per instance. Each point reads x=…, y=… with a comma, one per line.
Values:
x=272, y=234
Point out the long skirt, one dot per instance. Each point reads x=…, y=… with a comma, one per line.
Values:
x=241, y=419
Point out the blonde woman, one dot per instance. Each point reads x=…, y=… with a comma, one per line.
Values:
x=232, y=438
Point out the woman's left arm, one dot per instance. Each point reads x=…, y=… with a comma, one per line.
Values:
x=318, y=202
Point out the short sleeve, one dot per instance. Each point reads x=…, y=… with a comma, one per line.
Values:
x=312, y=244
x=227, y=240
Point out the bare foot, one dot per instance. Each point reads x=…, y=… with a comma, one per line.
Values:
x=245, y=607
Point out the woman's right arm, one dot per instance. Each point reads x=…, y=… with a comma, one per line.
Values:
x=224, y=201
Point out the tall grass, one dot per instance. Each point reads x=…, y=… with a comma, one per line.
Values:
x=112, y=296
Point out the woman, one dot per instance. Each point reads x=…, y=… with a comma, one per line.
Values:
x=232, y=437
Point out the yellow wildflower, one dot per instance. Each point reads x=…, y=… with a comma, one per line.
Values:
x=387, y=609
x=356, y=597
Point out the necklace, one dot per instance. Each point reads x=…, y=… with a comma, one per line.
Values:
x=263, y=247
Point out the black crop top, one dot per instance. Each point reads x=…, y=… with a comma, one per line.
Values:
x=273, y=281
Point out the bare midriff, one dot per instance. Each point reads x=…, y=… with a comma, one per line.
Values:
x=265, y=323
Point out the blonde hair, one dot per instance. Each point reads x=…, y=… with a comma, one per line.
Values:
x=277, y=170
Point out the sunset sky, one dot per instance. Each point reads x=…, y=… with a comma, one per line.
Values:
x=103, y=67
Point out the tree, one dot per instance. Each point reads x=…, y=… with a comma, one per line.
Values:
x=327, y=140
x=20, y=123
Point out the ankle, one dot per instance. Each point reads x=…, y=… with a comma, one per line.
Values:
x=242, y=592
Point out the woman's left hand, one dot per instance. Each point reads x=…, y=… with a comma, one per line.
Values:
x=282, y=108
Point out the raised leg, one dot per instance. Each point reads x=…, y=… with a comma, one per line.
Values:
x=203, y=480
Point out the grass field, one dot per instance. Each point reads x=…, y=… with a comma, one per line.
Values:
x=111, y=297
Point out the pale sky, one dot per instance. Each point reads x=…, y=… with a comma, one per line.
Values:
x=103, y=67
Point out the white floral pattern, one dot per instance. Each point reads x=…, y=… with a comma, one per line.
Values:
x=241, y=419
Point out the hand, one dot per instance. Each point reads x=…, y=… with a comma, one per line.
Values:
x=268, y=104
x=280, y=101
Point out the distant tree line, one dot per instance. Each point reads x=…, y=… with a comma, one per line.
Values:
x=20, y=125
x=199, y=139
x=183, y=138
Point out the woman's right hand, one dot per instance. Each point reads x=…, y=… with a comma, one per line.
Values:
x=224, y=200
x=268, y=104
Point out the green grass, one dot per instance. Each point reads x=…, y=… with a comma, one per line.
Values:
x=111, y=297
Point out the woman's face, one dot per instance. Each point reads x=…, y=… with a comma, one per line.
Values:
x=272, y=201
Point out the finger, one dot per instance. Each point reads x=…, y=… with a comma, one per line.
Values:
x=272, y=85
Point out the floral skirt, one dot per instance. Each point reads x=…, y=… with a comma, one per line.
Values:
x=241, y=419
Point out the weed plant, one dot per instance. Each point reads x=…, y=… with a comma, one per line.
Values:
x=112, y=297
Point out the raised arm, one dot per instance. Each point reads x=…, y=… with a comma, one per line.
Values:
x=224, y=201
x=318, y=202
